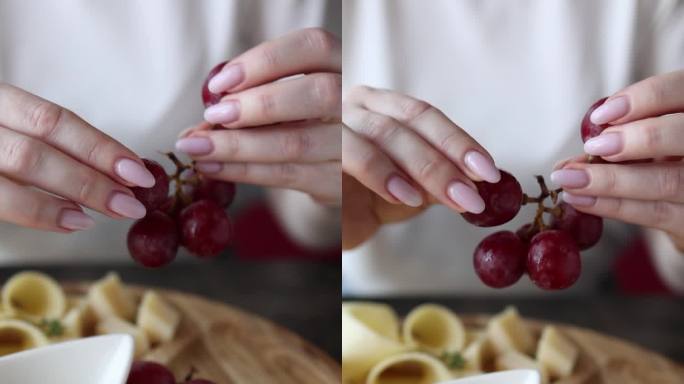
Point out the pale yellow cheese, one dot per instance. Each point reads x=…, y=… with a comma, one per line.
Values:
x=112, y=325
x=34, y=296
x=512, y=359
x=434, y=329
x=108, y=297
x=556, y=353
x=157, y=318
x=507, y=331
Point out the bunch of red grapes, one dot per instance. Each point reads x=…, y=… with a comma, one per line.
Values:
x=146, y=372
x=194, y=217
x=548, y=252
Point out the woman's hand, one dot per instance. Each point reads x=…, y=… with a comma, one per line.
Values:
x=52, y=163
x=400, y=155
x=295, y=136
x=647, y=130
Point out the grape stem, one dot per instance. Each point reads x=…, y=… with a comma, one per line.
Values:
x=555, y=210
x=179, y=182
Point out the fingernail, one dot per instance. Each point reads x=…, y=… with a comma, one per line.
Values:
x=404, y=192
x=480, y=165
x=466, y=197
x=222, y=113
x=126, y=206
x=228, y=78
x=606, y=144
x=134, y=173
x=583, y=201
x=208, y=167
x=74, y=220
x=570, y=178
x=611, y=110
x=195, y=145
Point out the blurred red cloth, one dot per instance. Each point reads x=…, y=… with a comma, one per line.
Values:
x=259, y=236
x=635, y=273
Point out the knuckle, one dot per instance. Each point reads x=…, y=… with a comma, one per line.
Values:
x=430, y=168
x=267, y=105
x=34, y=214
x=411, y=109
x=653, y=137
x=380, y=128
x=87, y=189
x=295, y=145
x=654, y=92
x=24, y=156
x=450, y=142
x=367, y=162
x=231, y=143
x=44, y=118
x=662, y=214
x=288, y=175
x=359, y=92
x=269, y=57
x=328, y=90
x=669, y=182
x=318, y=39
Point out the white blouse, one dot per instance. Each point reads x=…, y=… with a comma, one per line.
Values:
x=133, y=69
x=518, y=76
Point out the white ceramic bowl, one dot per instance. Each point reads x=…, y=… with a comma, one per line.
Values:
x=95, y=360
x=519, y=376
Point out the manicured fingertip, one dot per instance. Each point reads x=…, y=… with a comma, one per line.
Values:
x=466, y=197
x=75, y=220
x=610, y=111
x=401, y=190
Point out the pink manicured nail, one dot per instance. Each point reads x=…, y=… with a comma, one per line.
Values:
x=582, y=201
x=466, y=197
x=606, y=144
x=611, y=110
x=134, y=173
x=570, y=178
x=222, y=113
x=229, y=77
x=208, y=167
x=480, y=165
x=74, y=220
x=404, y=192
x=195, y=145
x=126, y=206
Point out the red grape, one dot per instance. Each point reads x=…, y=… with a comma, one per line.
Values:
x=220, y=192
x=209, y=98
x=502, y=202
x=153, y=240
x=527, y=232
x=590, y=129
x=153, y=198
x=586, y=229
x=205, y=228
x=499, y=259
x=146, y=372
x=553, y=260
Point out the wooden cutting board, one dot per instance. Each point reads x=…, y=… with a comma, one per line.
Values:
x=605, y=359
x=230, y=346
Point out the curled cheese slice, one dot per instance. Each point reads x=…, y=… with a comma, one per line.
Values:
x=17, y=336
x=108, y=297
x=434, y=328
x=34, y=296
x=408, y=368
x=369, y=334
x=507, y=331
x=556, y=353
x=116, y=325
x=79, y=320
x=477, y=354
x=512, y=359
x=157, y=318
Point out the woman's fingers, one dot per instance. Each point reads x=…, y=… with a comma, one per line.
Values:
x=292, y=142
x=657, y=214
x=28, y=207
x=62, y=129
x=652, y=181
x=302, y=177
x=650, y=138
x=431, y=124
x=33, y=162
x=654, y=96
x=316, y=96
x=362, y=160
x=303, y=51
x=428, y=167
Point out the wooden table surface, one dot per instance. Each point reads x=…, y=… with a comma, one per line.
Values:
x=301, y=296
x=655, y=323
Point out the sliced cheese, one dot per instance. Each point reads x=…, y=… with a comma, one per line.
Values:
x=507, y=331
x=108, y=297
x=556, y=353
x=157, y=318
x=511, y=359
x=113, y=325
